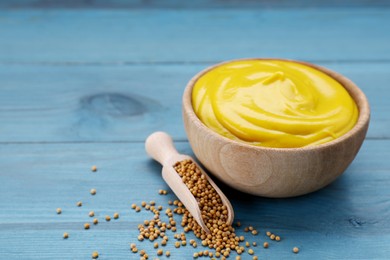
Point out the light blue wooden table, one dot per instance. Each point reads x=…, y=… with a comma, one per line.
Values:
x=84, y=83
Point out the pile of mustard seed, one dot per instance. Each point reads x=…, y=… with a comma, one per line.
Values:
x=222, y=236
x=221, y=240
x=219, y=243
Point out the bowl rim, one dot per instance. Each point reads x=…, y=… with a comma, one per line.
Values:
x=354, y=91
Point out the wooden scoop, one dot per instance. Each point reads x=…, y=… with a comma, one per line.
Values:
x=159, y=146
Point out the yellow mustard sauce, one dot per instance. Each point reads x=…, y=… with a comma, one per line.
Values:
x=273, y=103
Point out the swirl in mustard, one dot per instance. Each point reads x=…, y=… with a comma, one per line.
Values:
x=273, y=103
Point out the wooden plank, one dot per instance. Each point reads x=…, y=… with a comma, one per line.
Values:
x=90, y=103
x=346, y=220
x=126, y=103
x=177, y=4
x=150, y=36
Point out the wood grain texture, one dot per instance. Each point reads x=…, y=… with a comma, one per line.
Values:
x=346, y=220
x=127, y=103
x=149, y=36
x=84, y=82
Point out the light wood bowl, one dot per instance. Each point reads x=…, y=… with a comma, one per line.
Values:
x=275, y=172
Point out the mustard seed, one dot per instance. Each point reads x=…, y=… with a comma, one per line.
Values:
x=59, y=211
x=238, y=257
x=196, y=255
x=91, y=214
x=255, y=258
x=168, y=254
x=137, y=209
x=277, y=238
x=133, y=206
x=140, y=237
x=86, y=226
x=272, y=236
x=155, y=245
x=254, y=244
x=132, y=245
x=93, y=191
x=95, y=221
x=247, y=244
x=296, y=250
x=134, y=250
x=160, y=252
x=268, y=233
x=66, y=235
x=79, y=204
x=95, y=255
x=250, y=251
x=265, y=245
x=108, y=218
x=116, y=215
x=215, y=214
x=143, y=204
x=254, y=232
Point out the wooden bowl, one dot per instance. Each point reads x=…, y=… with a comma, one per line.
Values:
x=275, y=172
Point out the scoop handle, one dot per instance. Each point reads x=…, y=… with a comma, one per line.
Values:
x=159, y=146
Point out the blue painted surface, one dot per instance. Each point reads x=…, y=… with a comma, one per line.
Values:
x=85, y=83
x=165, y=36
